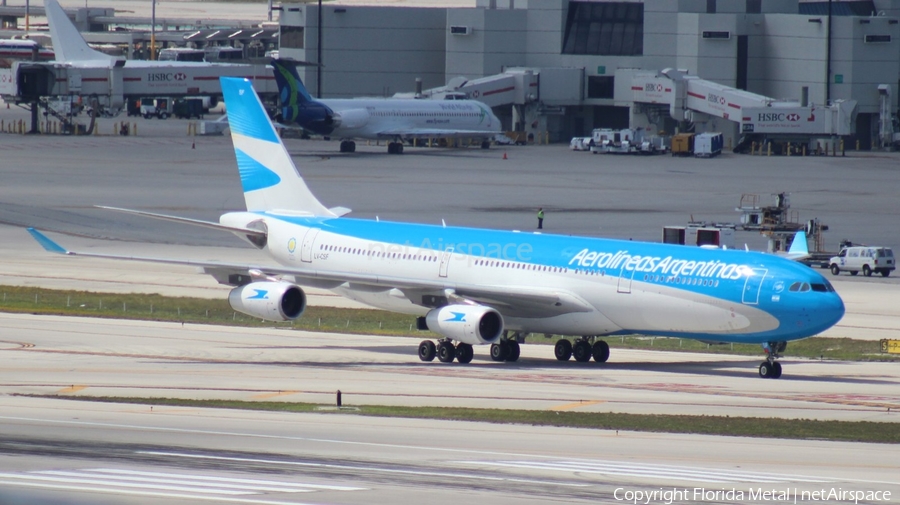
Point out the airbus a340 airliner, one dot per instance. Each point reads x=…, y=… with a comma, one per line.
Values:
x=475, y=286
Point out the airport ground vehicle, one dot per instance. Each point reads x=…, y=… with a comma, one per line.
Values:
x=156, y=107
x=581, y=143
x=865, y=259
x=186, y=108
x=707, y=145
x=683, y=144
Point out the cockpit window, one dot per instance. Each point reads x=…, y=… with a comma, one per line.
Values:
x=819, y=288
x=828, y=287
x=799, y=286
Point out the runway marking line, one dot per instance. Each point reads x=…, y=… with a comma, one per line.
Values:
x=575, y=405
x=264, y=396
x=72, y=389
x=162, y=484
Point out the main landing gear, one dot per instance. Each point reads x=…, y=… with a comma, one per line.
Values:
x=507, y=348
x=583, y=350
x=348, y=146
x=771, y=369
x=445, y=351
x=395, y=148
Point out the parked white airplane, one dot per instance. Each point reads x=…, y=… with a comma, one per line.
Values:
x=395, y=119
x=144, y=78
x=21, y=50
x=475, y=286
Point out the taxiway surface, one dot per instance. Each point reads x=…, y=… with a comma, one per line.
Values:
x=59, y=449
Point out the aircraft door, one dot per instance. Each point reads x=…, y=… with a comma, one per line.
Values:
x=308, y=240
x=753, y=285
x=445, y=261
x=625, y=279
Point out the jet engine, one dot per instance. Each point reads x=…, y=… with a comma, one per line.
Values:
x=351, y=119
x=274, y=301
x=469, y=324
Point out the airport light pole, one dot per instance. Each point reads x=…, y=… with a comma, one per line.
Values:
x=319, y=55
x=153, y=31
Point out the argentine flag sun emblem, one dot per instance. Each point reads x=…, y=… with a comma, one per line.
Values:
x=292, y=245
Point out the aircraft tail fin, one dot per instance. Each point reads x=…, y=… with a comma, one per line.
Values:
x=269, y=177
x=799, y=247
x=290, y=86
x=68, y=44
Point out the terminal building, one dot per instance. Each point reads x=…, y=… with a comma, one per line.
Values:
x=585, y=53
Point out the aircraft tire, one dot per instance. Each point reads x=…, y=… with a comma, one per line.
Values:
x=427, y=350
x=600, y=351
x=514, y=351
x=765, y=370
x=776, y=370
x=464, y=353
x=581, y=351
x=446, y=353
x=563, y=350
x=500, y=351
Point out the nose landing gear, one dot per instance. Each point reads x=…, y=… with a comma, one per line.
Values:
x=771, y=369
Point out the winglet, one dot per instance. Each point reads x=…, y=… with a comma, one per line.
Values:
x=46, y=243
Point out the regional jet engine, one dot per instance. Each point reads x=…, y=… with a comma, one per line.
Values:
x=274, y=301
x=469, y=324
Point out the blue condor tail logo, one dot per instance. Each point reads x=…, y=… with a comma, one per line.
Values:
x=658, y=265
x=458, y=317
x=261, y=294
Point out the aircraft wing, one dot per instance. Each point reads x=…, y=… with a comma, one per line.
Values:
x=421, y=133
x=515, y=301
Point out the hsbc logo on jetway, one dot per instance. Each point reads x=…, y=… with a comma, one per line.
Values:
x=712, y=98
x=166, y=76
x=777, y=117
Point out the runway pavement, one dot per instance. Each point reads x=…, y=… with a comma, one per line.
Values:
x=97, y=357
x=58, y=452
x=62, y=452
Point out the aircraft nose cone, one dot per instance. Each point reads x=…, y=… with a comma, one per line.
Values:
x=829, y=312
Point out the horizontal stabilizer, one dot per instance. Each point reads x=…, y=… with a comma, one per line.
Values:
x=185, y=220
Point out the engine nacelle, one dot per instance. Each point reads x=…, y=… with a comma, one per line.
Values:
x=351, y=119
x=274, y=301
x=469, y=324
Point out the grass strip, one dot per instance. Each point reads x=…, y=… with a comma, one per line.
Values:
x=799, y=429
x=154, y=307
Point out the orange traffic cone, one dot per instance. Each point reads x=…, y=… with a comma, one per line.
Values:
x=504, y=155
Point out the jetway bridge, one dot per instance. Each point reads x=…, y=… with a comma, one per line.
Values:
x=692, y=99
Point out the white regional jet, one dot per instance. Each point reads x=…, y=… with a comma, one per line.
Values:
x=394, y=119
x=488, y=287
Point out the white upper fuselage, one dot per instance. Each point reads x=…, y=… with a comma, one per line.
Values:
x=379, y=118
